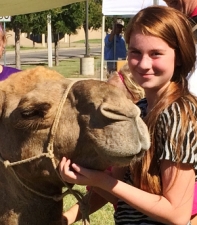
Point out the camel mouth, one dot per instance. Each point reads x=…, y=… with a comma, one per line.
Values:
x=140, y=154
x=125, y=160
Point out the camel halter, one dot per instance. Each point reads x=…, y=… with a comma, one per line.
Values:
x=83, y=202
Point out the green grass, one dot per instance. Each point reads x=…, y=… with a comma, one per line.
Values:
x=94, y=41
x=101, y=217
x=69, y=68
x=12, y=48
x=90, y=41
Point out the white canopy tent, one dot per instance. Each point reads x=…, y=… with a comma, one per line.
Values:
x=123, y=8
x=126, y=7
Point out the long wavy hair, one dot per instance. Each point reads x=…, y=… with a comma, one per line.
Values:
x=135, y=90
x=174, y=28
x=2, y=37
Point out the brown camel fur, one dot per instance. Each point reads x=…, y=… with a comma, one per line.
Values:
x=98, y=127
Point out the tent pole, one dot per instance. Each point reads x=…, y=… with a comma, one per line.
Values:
x=49, y=41
x=4, y=55
x=87, y=30
x=155, y=2
x=102, y=47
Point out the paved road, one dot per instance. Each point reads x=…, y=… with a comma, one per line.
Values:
x=41, y=55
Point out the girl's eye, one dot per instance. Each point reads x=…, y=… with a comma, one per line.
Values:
x=134, y=52
x=156, y=53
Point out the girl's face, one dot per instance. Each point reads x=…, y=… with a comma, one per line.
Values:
x=151, y=61
x=2, y=46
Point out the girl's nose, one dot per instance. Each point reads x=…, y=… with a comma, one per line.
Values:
x=145, y=62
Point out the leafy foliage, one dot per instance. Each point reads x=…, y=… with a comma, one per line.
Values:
x=19, y=22
x=72, y=16
x=95, y=15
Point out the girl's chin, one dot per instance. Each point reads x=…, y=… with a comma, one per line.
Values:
x=146, y=86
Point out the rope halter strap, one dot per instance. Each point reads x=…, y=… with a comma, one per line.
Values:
x=50, y=154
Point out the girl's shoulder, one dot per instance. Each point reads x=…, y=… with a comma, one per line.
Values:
x=177, y=107
x=176, y=129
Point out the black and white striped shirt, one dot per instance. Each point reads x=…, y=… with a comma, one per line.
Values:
x=169, y=120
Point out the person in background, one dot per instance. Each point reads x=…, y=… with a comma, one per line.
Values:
x=115, y=47
x=159, y=188
x=189, y=8
x=124, y=80
x=5, y=71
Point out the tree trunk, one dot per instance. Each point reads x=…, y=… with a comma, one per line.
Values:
x=56, y=42
x=33, y=40
x=69, y=40
x=86, y=40
x=17, y=48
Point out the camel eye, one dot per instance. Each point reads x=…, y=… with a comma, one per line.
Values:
x=39, y=110
x=32, y=113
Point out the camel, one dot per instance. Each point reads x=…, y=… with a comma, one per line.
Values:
x=43, y=117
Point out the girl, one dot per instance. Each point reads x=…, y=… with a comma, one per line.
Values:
x=159, y=189
x=5, y=71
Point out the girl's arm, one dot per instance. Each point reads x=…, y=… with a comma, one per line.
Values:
x=98, y=199
x=73, y=214
x=172, y=207
x=117, y=173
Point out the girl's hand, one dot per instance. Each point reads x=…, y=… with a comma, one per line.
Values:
x=79, y=175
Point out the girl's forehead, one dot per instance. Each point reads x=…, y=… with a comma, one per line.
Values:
x=138, y=36
x=148, y=42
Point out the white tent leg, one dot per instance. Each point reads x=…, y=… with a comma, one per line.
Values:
x=155, y=2
x=102, y=47
x=49, y=41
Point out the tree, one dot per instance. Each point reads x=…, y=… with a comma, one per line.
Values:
x=38, y=24
x=65, y=20
x=95, y=15
x=18, y=24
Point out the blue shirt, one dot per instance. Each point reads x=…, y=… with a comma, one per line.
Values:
x=120, y=50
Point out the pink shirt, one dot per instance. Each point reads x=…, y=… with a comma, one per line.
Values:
x=194, y=13
x=194, y=210
x=122, y=79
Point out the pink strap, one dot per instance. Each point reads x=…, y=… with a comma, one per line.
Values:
x=194, y=210
x=194, y=13
x=122, y=79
